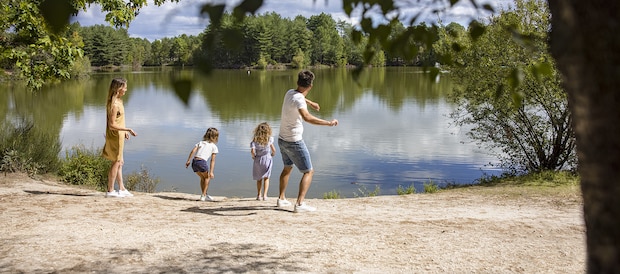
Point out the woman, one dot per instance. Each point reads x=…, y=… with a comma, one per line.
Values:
x=115, y=136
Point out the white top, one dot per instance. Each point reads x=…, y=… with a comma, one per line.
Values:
x=291, y=126
x=205, y=149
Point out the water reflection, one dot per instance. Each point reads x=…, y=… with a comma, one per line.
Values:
x=393, y=127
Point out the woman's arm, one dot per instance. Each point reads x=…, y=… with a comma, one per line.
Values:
x=112, y=122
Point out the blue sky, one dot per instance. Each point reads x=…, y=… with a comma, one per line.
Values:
x=174, y=19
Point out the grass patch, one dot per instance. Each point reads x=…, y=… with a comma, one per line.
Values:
x=539, y=179
x=332, y=195
x=405, y=190
x=560, y=186
x=430, y=187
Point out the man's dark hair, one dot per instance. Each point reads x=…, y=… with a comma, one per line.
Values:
x=305, y=78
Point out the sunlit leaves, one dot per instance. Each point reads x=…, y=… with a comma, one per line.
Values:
x=41, y=48
x=542, y=69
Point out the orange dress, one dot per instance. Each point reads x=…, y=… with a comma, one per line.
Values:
x=114, y=139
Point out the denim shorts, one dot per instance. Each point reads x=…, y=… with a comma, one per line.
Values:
x=295, y=153
x=199, y=165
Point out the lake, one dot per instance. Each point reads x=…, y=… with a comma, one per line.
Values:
x=393, y=130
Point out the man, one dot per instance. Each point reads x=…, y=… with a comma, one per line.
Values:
x=291, y=143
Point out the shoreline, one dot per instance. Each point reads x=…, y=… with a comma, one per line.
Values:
x=51, y=227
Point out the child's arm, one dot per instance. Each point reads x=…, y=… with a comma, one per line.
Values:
x=190, y=156
x=252, y=152
x=273, y=150
x=212, y=165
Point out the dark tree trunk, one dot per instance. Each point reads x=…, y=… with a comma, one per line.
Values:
x=585, y=42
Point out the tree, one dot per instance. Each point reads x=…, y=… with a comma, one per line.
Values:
x=586, y=46
x=139, y=52
x=326, y=43
x=298, y=39
x=105, y=45
x=29, y=49
x=36, y=44
x=532, y=132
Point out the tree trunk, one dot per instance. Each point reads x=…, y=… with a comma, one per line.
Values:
x=585, y=42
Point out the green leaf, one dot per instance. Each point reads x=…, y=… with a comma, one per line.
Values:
x=456, y=47
x=488, y=7
x=182, y=88
x=56, y=14
x=247, y=6
x=214, y=12
x=515, y=78
x=476, y=29
x=232, y=38
x=348, y=6
x=433, y=72
x=544, y=69
x=356, y=36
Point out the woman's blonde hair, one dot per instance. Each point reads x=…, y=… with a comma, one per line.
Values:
x=262, y=132
x=211, y=135
x=115, y=86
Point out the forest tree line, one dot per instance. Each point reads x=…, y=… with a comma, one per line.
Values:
x=268, y=40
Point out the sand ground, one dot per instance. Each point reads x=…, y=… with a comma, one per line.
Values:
x=49, y=227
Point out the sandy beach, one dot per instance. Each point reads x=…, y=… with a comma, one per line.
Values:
x=50, y=227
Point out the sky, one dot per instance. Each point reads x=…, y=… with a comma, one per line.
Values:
x=174, y=19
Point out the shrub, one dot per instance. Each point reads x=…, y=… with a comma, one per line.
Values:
x=403, y=191
x=25, y=149
x=332, y=195
x=141, y=181
x=430, y=187
x=83, y=166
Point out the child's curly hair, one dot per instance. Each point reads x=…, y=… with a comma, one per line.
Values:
x=211, y=135
x=262, y=132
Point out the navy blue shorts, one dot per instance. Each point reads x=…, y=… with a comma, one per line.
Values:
x=199, y=165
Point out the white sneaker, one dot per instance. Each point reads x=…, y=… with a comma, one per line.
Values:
x=203, y=198
x=283, y=203
x=209, y=198
x=113, y=194
x=303, y=207
x=125, y=193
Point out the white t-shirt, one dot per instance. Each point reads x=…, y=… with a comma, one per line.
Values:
x=291, y=123
x=205, y=149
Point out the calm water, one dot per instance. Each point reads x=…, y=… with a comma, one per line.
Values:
x=393, y=129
